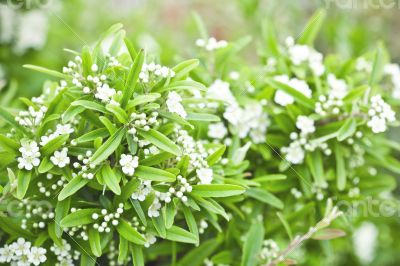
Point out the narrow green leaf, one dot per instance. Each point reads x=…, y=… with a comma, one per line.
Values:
x=108, y=147
x=53, y=145
x=9, y=144
x=196, y=256
x=24, y=179
x=312, y=28
x=298, y=96
x=202, y=117
x=90, y=105
x=264, y=196
x=315, y=164
x=182, y=69
x=161, y=141
x=61, y=211
x=182, y=85
x=110, y=179
x=45, y=165
x=340, y=168
x=217, y=190
x=137, y=255
x=347, y=130
x=48, y=72
x=180, y=235
x=72, y=187
x=10, y=119
x=79, y=217
x=252, y=245
x=119, y=113
x=154, y=174
x=94, y=242
x=92, y=135
x=216, y=156
x=126, y=231
x=132, y=78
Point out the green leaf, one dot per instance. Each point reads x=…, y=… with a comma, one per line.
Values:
x=142, y=99
x=312, y=28
x=217, y=190
x=48, y=72
x=108, y=124
x=79, y=217
x=216, y=156
x=378, y=65
x=72, y=187
x=202, y=117
x=130, y=48
x=92, y=135
x=285, y=224
x=182, y=69
x=182, y=85
x=264, y=196
x=24, y=179
x=298, y=96
x=94, y=242
x=315, y=164
x=156, y=159
x=9, y=144
x=269, y=178
x=191, y=221
x=252, y=245
x=127, y=190
x=159, y=225
x=154, y=174
x=119, y=113
x=132, y=78
x=10, y=119
x=347, y=130
x=340, y=168
x=123, y=249
x=62, y=209
x=71, y=112
x=126, y=231
x=45, y=165
x=111, y=179
x=87, y=61
x=196, y=256
x=137, y=255
x=180, y=235
x=53, y=145
x=161, y=141
x=108, y=147
x=90, y=105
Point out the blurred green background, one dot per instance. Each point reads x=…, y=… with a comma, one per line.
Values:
x=37, y=31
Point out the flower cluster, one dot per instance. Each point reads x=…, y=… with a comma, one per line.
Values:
x=282, y=98
x=21, y=252
x=152, y=71
x=30, y=155
x=380, y=113
x=211, y=44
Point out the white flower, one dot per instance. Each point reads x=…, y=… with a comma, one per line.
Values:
x=205, y=175
x=154, y=208
x=282, y=98
x=174, y=104
x=364, y=241
x=380, y=114
x=21, y=247
x=294, y=153
x=6, y=254
x=30, y=155
x=305, y=124
x=220, y=90
x=150, y=240
x=338, y=87
x=142, y=191
x=217, y=130
x=60, y=158
x=377, y=125
x=129, y=163
x=300, y=54
x=105, y=93
x=64, y=129
x=37, y=255
x=211, y=44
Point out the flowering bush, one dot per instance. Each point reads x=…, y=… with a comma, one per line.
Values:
x=127, y=161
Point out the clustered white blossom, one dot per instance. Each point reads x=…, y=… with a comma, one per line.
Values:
x=282, y=98
x=393, y=71
x=303, y=54
x=62, y=182
x=60, y=158
x=250, y=120
x=363, y=65
x=203, y=225
x=30, y=155
x=269, y=251
x=113, y=218
x=31, y=118
x=174, y=104
x=296, y=151
x=380, y=113
x=37, y=213
x=197, y=154
x=129, y=163
x=21, y=252
x=211, y=44
x=61, y=129
x=65, y=255
x=85, y=166
x=142, y=191
x=142, y=121
x=154, y=70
